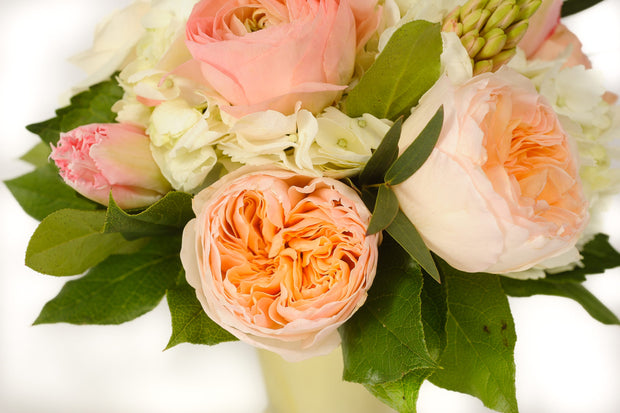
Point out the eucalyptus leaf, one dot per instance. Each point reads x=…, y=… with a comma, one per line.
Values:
x=69, y=241
x=43, y=191
x=166, y=216
x=416, y=154
x=91, y=106
x=405, y=233
x=190, y=323
x=404, y=70
x=385, y=154
x=570, y=7
x=386, y=208
x=574, y=291
x=384, y=340
x=120, y=288
x=480, y=340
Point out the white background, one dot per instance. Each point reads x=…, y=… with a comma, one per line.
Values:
x=566, y=362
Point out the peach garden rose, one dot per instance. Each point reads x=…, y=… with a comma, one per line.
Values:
x=280, y=260
x=500, y=192
x=270, y=54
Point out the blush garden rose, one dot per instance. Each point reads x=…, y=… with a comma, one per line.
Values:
x=500, y=192
x=280, y=260
x=261, y=54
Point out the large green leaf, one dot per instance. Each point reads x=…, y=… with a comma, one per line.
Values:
x=406, y=234
x=575, y=291
x=402, y=394
x=416, y=154
x=69, y=241
x=479, y=354
x=120, y=288
x=570, y=7
x=43, y=191
x=434, y=313
x=166, y=216
x=384, y=340
x=38, y=155
x=406, y=68
x=190, y=324
x=91, y=106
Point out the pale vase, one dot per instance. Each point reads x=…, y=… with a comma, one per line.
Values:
x=313, y=386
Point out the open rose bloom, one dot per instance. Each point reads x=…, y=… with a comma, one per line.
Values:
x=500, y=192
x=265, y=54
x=280, y=260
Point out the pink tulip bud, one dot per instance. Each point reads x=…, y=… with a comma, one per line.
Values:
x=103, y=158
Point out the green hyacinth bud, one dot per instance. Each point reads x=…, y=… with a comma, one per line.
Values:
x=490, y=29
x=494, y=44
x=483, y=66
x=515, y=33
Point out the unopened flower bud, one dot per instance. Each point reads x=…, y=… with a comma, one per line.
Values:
x=471, y=6
x=494, y=43
x=503, y=57
x=473, y=43
x=483, y=66
x=506, y=12
x=103, y=158
x=515, y=33
x=475, y=20
x=528, y=9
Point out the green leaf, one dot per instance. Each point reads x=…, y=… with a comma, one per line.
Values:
x=91, y=106
x=384, y=340
x=434, y=314
x=166, y=216
x=386, y=208
x=406, y=68
x=119, y=289
x=405, y=233
x=383, y=157
x=69, y=241
x=479, y=354
x=570, y=7
x=577, y=292
x=598, y=256
x=416, y=154
x=43, y=191
x=190, y=323
x=38, y=155
x=401, y=395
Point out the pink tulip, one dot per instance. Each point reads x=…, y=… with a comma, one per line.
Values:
x=99, y=159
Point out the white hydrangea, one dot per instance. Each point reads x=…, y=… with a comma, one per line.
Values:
x=329, y=144
x=182, y=142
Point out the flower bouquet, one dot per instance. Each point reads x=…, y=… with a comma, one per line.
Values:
x=302, y=175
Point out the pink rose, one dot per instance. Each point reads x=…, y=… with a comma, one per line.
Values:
x=280, y=260
x=500, y=192
x=270, y=54
x=100, y=158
